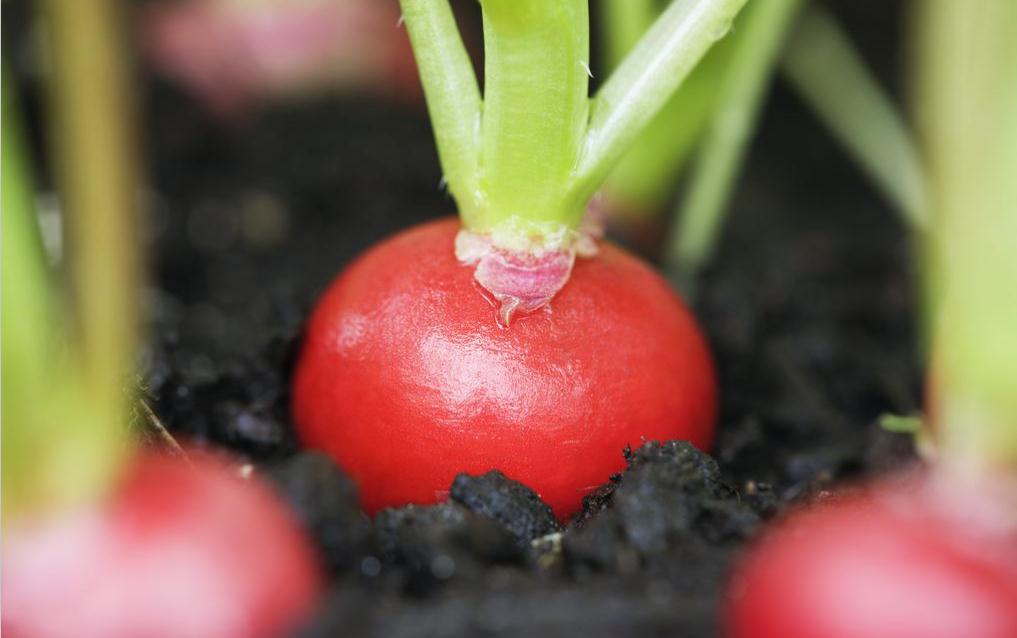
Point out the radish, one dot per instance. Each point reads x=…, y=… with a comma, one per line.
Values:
x=932, y=556
x=912, y=558
x=408, y=381
x=180, y=549
x=234, y=54
x=513, y=340
x=101, y=539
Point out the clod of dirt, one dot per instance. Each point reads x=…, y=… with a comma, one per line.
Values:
x=325, y=501
x=514, y=506
x=671, y=494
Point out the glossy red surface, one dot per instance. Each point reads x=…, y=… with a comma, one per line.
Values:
x=181, y=551
x=906, y=560
x=407, y=379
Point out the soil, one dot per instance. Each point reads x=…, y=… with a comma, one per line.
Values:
x=809, y=308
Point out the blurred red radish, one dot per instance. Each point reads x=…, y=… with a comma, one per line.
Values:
x=916, y=558
x=233, y=53
x=180, y=550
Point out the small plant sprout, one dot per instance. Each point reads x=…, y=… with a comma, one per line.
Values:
x=523, y=162
x=123, y=543
x=933, y=553
x=587, y=349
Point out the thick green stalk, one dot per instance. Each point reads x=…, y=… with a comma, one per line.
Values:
x=96, y=171
x=64, y=402
x=453, y=99
x=535, y=110
x=968, y=101
x=830, y=75
x=644, y=82
x=762, y=31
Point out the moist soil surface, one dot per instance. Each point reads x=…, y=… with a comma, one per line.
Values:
x=808, y=306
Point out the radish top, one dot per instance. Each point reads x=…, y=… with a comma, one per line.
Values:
x=523, y=160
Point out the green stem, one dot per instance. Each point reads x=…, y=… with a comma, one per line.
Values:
x=645, y=178
x=535, y=110
x=453, y=99
x=761, y=35
x=29, y=324
x=642, y=84
x=968, y=94
x=830, y=75
x=96, y=170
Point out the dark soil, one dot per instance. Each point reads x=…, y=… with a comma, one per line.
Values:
x=809, y=309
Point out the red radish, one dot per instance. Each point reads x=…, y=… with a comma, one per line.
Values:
x=232, y=54
x=905, y=559
x=408, y=376
x=180, y=551
x=406, y=379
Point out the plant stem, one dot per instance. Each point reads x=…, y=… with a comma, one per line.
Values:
x=644, y=81
x=453, y=98
x=968, y=93
x=535, y=110
x=762, y=31
x=644, y=179
x=96, y=173
x=830, y=75
x=29, y=324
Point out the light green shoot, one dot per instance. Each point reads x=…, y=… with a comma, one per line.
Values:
x=453, y=98
x=645, y=177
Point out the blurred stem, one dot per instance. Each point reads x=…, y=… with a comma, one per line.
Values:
x=831, y=77
x=64, y=399
x=29, y=323
x=644, y=81
x=763, y=29
x=967, y=72
x=93, y=146
x=625, y=22
x=453, y=97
